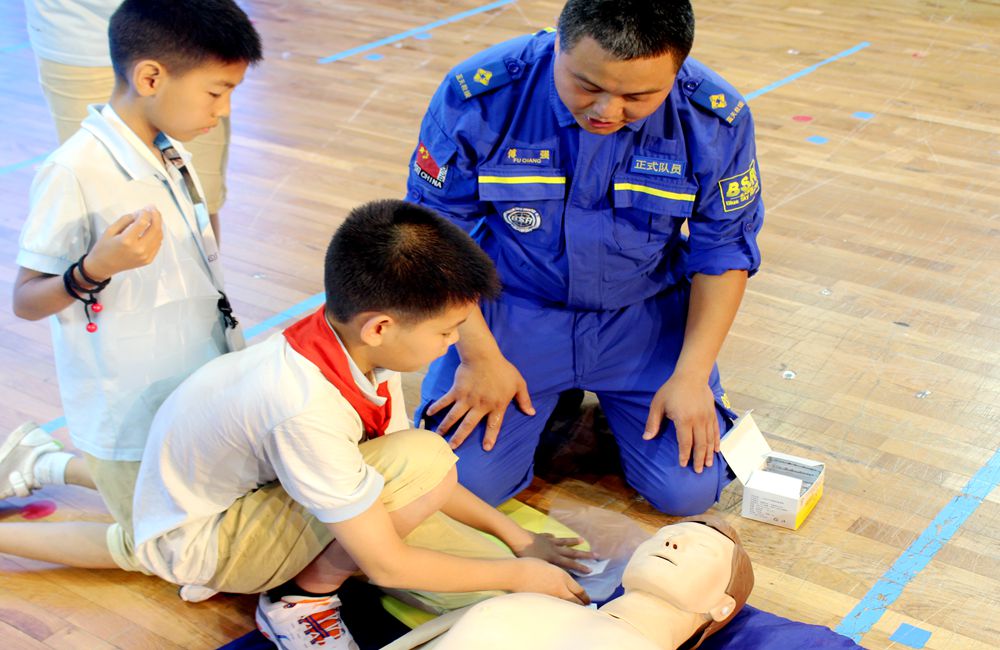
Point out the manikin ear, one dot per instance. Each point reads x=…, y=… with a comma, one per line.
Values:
x=723, y=608
x=147, y=76
x=374, y=328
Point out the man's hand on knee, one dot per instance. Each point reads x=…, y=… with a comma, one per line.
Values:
x=690, y=404
x=482, y=388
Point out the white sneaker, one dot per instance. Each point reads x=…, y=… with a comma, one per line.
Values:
x=304, y=622
x=18, y=454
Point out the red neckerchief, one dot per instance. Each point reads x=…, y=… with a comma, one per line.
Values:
x=313, y=338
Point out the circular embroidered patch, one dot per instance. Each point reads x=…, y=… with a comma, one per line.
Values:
x=523, y=219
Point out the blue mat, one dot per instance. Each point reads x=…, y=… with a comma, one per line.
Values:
x=752, y=629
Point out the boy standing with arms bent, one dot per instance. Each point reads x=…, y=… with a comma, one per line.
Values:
x=137, y=299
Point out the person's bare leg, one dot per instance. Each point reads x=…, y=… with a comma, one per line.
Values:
x=80, y=544
x=77, y=473
x=331, y=567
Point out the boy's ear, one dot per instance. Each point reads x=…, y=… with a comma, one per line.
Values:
x=147, y=76
x=375, y=327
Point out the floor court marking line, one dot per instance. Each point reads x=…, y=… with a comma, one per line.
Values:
x=917, y=555
x=413, y=32
x=15, y=47
x=13, y=167
x=804, y=71
x=310, y=303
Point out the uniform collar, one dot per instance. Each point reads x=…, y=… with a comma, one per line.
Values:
x=563, y=116
x=121, y=142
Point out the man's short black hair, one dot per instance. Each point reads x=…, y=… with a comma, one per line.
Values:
x=403, y=259
x=181, y=34
x=630, y=29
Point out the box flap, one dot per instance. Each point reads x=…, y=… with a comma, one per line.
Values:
x=744, y=447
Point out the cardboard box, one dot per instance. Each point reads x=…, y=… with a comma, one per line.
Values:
x=777, y=488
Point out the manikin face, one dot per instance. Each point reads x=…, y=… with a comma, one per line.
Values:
x=604, y=93
x=687, y=565
x=409, y=346
x=191, y=104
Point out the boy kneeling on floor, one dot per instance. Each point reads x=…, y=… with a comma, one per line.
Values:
x=269, y=470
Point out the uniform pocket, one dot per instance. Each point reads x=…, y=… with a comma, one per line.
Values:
x=527, y=203
x=649, y=210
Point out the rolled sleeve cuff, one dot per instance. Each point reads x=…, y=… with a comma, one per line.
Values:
x=42, y=263
x=715, y=263
x=732, y=250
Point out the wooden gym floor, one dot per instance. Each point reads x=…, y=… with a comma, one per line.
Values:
x=870, y=339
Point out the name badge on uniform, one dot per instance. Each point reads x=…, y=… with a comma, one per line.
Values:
x=657, y=166
x=521, y=156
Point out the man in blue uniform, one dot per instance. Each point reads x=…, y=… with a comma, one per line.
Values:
x=576, y=157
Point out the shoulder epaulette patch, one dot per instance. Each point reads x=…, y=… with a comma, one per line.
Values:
x=476, y=81
x=728, y=106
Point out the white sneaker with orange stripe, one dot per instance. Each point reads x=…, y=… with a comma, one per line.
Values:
x=304, y=622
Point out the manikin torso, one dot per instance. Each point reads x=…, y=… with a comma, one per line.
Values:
x=537, y=622
x=674, y=585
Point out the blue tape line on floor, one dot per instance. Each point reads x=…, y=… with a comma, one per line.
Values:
x=413, y=32
x=911, y=636
x=58, y=423
x=310, y=303
x=913, y=560
x=15, y=47
x=801, y=73
x=13, y=167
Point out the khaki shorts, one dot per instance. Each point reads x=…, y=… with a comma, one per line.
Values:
x=115, y=481
x=70, y=89
x=266, y=538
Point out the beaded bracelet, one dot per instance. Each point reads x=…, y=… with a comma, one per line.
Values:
x=75, y=289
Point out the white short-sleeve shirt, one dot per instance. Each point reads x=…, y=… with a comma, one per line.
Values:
x=71, y=32
x=265, y=413
x=159, y=323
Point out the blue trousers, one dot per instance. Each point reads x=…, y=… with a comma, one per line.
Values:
x=623, y=356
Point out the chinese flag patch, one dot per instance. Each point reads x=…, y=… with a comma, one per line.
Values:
x=427, y=168
x=426, y=162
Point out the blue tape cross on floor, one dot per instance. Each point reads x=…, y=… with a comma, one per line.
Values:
x=913, y=560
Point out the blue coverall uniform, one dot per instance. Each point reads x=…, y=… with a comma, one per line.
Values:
x=585, y=231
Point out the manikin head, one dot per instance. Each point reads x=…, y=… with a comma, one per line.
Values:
x=697, y=565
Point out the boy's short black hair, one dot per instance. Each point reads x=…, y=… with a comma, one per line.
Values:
x=403, y=259
x=181, y=34
x=630, y=29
